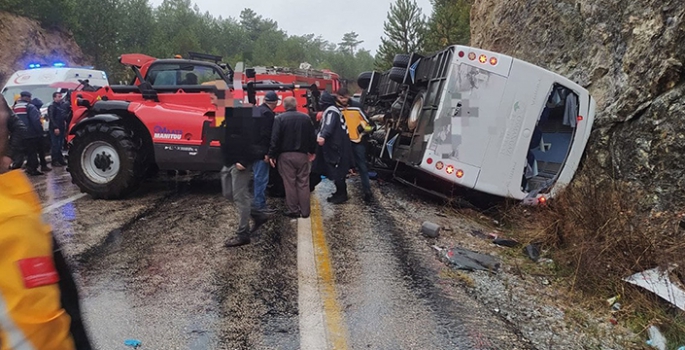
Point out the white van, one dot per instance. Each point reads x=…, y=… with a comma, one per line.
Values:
x=485, y=121
x=38, y=81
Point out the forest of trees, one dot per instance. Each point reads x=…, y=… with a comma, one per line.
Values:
x=104, y=29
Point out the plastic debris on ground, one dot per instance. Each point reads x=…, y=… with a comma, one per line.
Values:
x=656, y=339
x=133, y=343
x=532, y=251
x=659, y=283
x=464, y=259
x=489, y=236
x=611, y=301
x=505, y=242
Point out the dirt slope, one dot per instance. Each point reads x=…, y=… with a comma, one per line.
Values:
x=23, y=41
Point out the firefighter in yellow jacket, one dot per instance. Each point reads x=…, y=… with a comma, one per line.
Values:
x=39, y=306
x=357, y=127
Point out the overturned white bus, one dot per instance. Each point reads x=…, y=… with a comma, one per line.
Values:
x=481, y=120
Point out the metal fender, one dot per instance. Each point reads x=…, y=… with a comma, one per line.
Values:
x=98, y=118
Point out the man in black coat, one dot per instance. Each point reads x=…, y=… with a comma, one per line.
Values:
x=334, y=156
x=240, y=150
x=17, y=130
x=58, y=115
x=293, y=146
x=29, y=114
x=265, y=122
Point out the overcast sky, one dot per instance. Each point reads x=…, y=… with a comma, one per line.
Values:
x=331, y=21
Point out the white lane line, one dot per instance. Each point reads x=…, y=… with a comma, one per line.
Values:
x=63, y=202
x=310, y=303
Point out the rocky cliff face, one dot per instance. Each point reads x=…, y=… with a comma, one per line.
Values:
x=23, y=41
x=629, y=55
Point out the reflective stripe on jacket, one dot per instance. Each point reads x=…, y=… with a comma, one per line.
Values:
x=354, y=117
x=31, y=315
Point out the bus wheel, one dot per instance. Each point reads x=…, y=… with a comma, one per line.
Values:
x=415, y=112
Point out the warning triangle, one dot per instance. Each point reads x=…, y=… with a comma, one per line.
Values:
x=391, y=144
x=412, y=71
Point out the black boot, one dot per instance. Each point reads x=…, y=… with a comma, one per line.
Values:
x=339, y=199
x=368, y=197
x=242, y=238
x=259, y=219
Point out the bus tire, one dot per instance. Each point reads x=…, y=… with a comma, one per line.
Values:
x=364, y=80
x=397, y=74
x=401, y=60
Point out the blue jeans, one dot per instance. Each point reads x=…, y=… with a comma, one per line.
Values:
x=359, y=151
x=261, y=180
x=57, y=143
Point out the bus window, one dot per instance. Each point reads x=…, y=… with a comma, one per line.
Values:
x=552, y=139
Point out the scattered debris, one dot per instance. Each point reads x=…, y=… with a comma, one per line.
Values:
x=489, y=236
x=133, y=343
x=659, y=283
x=616, y=307
x=465, y=259
x=506, y=242
x=546, y=261
x=611, y=301
x=656, y=339
x=430, y=229
x=532, y=251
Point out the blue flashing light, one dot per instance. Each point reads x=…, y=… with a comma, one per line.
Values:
x=58, y=64
x=34, y=65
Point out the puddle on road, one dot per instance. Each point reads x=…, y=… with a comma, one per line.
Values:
x=114, y=315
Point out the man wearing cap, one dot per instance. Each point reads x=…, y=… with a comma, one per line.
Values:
x=260, y=168
x=30, y=116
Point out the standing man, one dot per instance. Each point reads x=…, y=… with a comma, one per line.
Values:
x=358, y=125
x=39, y=302
x=30, y=116
x=335, y=148
x=293, y=143
x=265, y=123
x=15, y=149
x=58, y=114
x=239, y=153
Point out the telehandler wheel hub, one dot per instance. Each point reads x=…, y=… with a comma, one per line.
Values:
x=100, y=162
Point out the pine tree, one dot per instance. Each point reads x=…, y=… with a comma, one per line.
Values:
x=449, y=24
x=404, y=30
x=349, y=43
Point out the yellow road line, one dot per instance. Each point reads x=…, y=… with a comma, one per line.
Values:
x=337, y=332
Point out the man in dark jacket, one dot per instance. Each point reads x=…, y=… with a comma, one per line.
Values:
x=58, y=113
x=265, y=124
x=335, y=156
x=293, y=144
x=15, y=151
x=30, y=116
x=239, y=150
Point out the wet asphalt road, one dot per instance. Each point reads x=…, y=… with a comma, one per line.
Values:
x=152, y=268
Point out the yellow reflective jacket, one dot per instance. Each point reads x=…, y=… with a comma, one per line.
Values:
x=354, y=117
x=31, y=314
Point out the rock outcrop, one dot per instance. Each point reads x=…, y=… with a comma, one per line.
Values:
x=23, y=41
x=629, y=55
